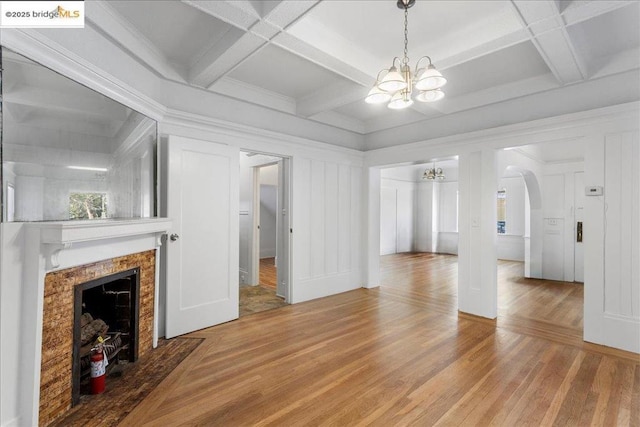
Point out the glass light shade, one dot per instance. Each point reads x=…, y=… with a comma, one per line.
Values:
x=430, y=79
x=377, y=96
x=430, y=95
x=398, y=102
x=392, y=81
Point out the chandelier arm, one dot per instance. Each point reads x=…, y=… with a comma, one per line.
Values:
x=418, y=63
x=384, y=70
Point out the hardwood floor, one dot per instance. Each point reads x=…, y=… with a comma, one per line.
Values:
x=402, y=355
x=268, y=273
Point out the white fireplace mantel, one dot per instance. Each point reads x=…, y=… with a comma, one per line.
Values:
x=64, y=235
x=50, y=246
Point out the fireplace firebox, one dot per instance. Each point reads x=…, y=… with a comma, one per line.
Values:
x=106, y=307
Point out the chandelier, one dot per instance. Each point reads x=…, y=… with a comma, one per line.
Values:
x=396, y=86
x=433, y=173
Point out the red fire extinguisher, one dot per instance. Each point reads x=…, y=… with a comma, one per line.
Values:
x=98, y=366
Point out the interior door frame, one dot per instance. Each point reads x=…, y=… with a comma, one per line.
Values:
x=284, y=226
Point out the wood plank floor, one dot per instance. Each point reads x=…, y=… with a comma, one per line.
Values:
x=268, y=273
x=401, y=355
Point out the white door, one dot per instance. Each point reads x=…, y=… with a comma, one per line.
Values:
x=283, y=229
x=202, y=196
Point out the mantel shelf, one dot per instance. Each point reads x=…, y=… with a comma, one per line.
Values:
x=68, y=232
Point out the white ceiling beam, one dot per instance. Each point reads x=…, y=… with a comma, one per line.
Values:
x=79, y=106
x=233, y=13
x=549, y=35
x=102, y=16
x=238, y=89
x=223, y=58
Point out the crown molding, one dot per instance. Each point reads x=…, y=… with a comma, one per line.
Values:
x=250, y=138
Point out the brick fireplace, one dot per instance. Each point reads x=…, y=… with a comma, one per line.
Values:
x=57, y=324
x=58, y=258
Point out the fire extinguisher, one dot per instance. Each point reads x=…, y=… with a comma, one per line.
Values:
x=98, y=367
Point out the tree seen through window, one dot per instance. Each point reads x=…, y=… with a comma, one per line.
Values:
x=87, y=205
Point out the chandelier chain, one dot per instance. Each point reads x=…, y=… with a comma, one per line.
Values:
x=405, y=60
x=400, y=85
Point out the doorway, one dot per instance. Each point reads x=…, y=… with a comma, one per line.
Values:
x=264, y=232
x=540, y=264
x=419, y=229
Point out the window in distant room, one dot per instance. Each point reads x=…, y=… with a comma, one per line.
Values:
x=87, y=205
x=502, y=211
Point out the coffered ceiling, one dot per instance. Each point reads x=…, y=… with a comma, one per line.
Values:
x=318, y=59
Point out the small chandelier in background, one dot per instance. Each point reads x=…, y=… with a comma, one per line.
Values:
x=396, y=86
x=433, y=173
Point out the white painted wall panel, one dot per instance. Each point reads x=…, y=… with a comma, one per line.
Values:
x=388, y=218
x=424, y=207
x=397, y=220
x=553, y=253
x=332, y=186
x=405, y=210
x=318, y=223
x=327, y=237
x=268, y=212
x=301, y=255
x=621, y=240
x=448, y=207
x=345, y=212
x=357, y=256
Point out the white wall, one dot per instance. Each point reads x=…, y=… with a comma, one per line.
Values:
x=425, y=202
x=268, y=209
x=245, y=220
x=326, y=226
x=612, y=234
x=446, y=231
x=511, y=245
x=397, y=204
x=416, y=214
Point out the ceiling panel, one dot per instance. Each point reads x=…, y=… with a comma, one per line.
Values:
x=604, y=36
x=436, y=28
x=280, y=71
x=514, y=63
x=182, y=33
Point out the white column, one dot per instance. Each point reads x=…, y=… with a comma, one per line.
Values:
x=477, y=268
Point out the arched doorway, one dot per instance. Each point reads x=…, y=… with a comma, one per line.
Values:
x=533, y=221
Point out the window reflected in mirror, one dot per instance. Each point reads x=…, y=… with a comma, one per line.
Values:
x=68, y=152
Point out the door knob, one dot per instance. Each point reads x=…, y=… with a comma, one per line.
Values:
x=174, y=237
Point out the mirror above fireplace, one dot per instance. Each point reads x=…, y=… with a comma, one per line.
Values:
x=68, y=152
